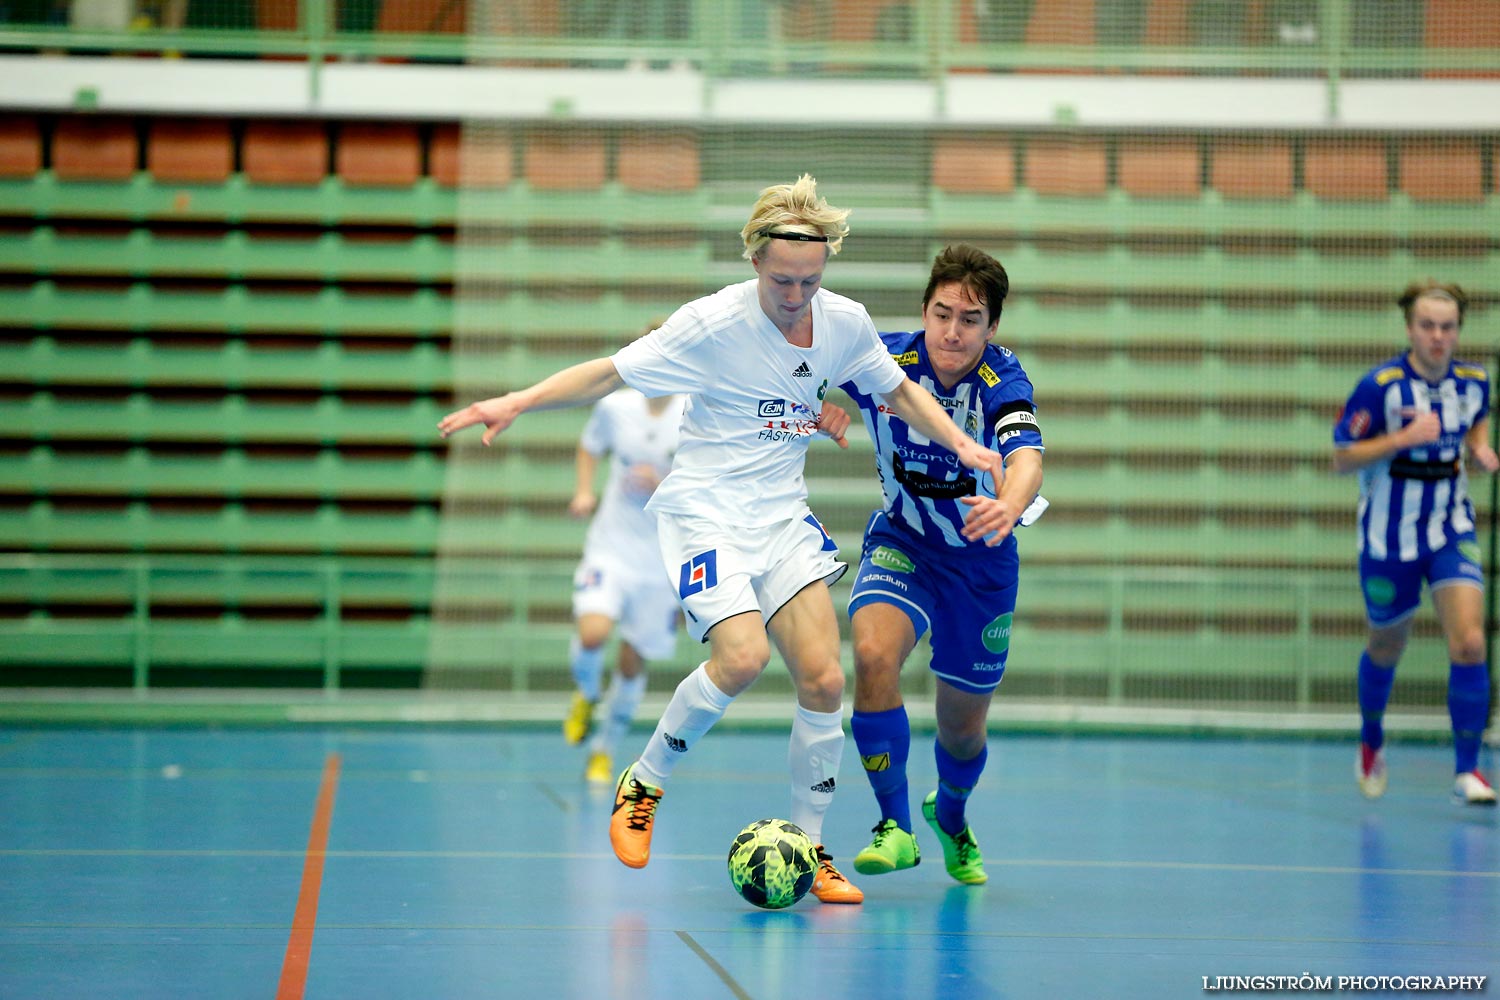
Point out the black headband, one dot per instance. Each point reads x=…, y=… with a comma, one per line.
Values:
x=797, y=237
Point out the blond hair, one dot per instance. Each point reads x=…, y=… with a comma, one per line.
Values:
x=1431, y=288
x=794, y=208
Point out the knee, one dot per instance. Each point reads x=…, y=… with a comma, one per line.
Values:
x=963, y=742
x=593, y=631
x=1385, y=649
x=592, y=641
x=820, y=685
x=1467, y=646
x=741, y=663
x=877, y=676
x=876, y=657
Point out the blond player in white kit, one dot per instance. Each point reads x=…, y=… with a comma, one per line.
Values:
x=620, y=580
x=752, y=564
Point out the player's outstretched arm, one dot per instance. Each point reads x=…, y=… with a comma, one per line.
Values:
x=583, y=383
x=916, y=406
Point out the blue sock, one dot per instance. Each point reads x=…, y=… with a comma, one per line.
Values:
x=1374, y=692
x=884, y=743
x=956, y=779
x=1469, y=708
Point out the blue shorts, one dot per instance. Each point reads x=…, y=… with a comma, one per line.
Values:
x=965, y=597
x=1393, y=589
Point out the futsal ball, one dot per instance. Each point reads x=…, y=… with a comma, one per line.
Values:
x=772, y=863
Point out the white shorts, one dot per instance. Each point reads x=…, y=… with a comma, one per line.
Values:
x=640, y=599
x=722, y=571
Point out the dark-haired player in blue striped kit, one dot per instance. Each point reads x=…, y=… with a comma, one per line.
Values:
x=940, y=556
x=1405, y=429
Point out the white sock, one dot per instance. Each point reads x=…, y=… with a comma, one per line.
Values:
x=623, y=699
x=695, y=706
x=813, y=756
x=588, y=667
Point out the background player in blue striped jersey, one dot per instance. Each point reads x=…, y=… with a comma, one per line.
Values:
x=926, y=567
x=1405, y=429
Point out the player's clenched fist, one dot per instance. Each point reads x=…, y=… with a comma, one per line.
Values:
x=1425, y=428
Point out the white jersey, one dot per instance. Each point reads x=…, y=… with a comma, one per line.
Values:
x=754, y=399
x=623, y=426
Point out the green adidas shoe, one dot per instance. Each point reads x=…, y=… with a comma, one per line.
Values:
x=960, y=853
x=892, y=850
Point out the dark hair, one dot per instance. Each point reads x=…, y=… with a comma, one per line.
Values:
x=982, y=275
x=1432, y=287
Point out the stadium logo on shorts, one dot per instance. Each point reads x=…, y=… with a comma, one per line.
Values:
x=876, y=761
x=997, y=634
x=699, y=573
x=891, y=559
x=1470, y=551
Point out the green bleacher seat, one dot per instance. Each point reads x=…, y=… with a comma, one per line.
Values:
x=1209, y=215
x=1196, y=324
x=328, y=474
x=46, y=416
x=237, y=309
x=236, y=201
x=141, y=363
x=421, y=258
x=1204, y=541
x=228, y=580
x=1121, y=378
x=232, y=527
x=1309, y=486
x=1204, y=432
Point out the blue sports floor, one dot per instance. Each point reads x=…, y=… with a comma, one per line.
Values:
x=453, y=863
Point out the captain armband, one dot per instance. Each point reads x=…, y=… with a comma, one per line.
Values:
x=1015, y=418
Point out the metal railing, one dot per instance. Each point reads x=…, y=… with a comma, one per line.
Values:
x=1113, y=626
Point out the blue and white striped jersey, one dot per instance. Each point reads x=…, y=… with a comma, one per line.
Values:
x=923, y=481
x=1416, y=501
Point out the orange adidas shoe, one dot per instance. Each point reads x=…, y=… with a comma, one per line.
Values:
x=830, y=886
x=631, y=822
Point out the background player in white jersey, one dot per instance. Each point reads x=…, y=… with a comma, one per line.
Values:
x=923, y=570
x=620, y=578
x=752, y=564
x=1405, y=428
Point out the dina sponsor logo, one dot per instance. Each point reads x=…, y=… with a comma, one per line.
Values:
x=997, y=634
x=891, y=559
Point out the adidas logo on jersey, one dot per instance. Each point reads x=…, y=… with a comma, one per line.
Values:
x=826, y=786
x=674, y=744
x=802, y=371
